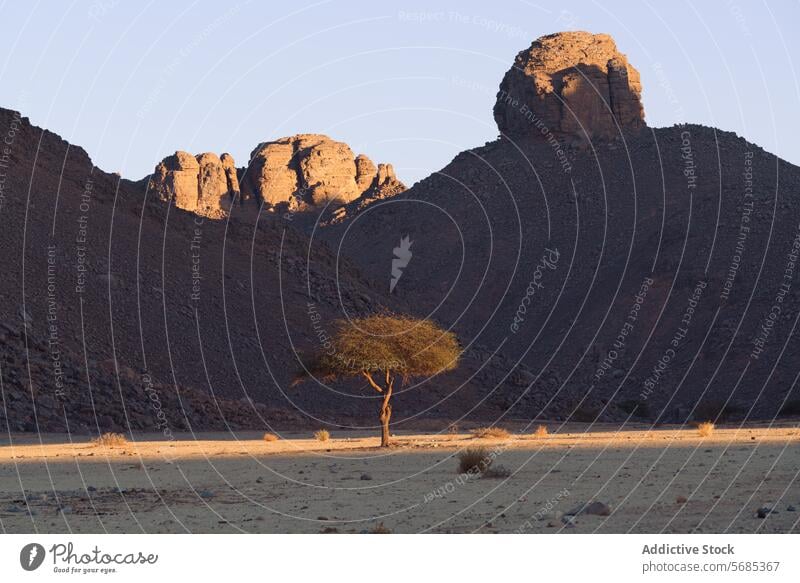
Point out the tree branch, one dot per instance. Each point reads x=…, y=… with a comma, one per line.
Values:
x=372, y=382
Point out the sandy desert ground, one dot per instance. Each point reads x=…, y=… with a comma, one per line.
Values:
x=664, y=480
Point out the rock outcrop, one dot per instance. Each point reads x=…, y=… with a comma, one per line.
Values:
x=365, y=172
x=384, y=184
x=379, y=183
x=204, y=184
x=571, y=85
x=312, y=170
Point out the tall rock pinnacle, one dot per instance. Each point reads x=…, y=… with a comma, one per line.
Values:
x=571, y=85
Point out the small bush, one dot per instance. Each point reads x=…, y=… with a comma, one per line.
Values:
x=380, y=529
x=474, y=460
x=486, y=432
x=452, y=428
x=705, y=428
x=541, y=431
x=110, y=439
x=322, y=435
x=271, y=437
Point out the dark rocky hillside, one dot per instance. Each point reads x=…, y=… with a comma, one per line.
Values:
x=700, y=225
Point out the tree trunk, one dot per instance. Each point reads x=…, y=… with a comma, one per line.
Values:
x=386, y=412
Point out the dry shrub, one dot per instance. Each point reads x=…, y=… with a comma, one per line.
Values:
x=474, y=460
x=486, y=432
x=541, y=431
x=110, y=439
x=380, y=529
x=271, y=437
x=322, y=435
x=705, y=428
x=452, y=428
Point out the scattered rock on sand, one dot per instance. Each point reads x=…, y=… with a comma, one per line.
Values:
x=765, y=511
x=596, y=508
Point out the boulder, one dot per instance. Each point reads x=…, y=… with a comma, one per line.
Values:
x=571, y=86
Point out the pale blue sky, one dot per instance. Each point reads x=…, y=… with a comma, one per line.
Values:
x=411, y=83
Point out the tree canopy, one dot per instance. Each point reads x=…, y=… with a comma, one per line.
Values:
x=405, y=346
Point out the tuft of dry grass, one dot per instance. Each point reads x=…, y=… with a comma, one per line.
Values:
x=110, y=439
x=322, y=435
x=705, y=428
x=487, y=432
x=541, y=431
x=271, y=437
x=474, y=460
x=380, y=528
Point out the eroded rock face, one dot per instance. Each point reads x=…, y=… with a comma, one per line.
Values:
x=204, y=184
x=270, y=173
x=231, y=176
x=573, y=86
x=385, y=183
x=311, y=170
x=365, y=172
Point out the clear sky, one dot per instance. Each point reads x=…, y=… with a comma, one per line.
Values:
x=411, y=83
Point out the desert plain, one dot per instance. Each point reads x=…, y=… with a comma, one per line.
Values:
x=671, y=480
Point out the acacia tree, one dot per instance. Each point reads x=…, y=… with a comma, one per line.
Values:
x=381, y=349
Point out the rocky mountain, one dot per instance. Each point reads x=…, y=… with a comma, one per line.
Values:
x=636, y=273
x=107, y=292
x=121, y=312
x=594, y=268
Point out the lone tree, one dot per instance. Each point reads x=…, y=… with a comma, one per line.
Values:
x=381, y=349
